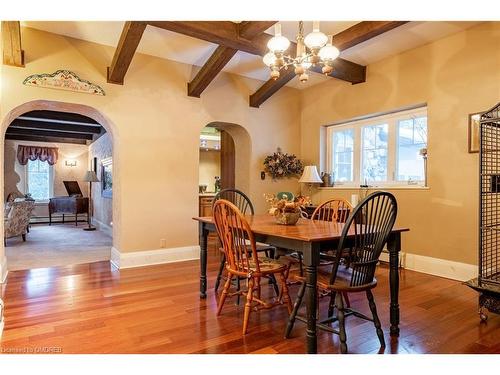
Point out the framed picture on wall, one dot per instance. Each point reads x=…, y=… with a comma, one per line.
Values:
x=107, y=177
x=473, y=132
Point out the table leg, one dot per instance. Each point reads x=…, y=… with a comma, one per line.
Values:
x=203, y=235
x=311, y=261
x=394, y=247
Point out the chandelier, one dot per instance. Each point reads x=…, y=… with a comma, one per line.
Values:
x=314, y=49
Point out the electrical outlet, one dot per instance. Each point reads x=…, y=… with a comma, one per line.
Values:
x=163, y=243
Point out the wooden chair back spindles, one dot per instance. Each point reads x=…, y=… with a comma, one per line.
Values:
x=363, y=237
x=238, y=198
x=336, y=209
x=239, y=246
x=365, y=233
x=241, y=201
x=236, y=237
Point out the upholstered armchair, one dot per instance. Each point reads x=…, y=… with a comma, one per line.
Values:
x=17, y=220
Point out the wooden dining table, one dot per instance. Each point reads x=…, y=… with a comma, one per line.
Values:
x=310, y=238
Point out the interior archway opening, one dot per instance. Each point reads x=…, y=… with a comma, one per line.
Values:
x=58, y=162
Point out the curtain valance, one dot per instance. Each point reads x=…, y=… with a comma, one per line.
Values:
x=25, y=153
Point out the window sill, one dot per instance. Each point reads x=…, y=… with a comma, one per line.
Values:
x=386, y=187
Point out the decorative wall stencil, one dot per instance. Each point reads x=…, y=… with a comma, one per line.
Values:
x=63, y=80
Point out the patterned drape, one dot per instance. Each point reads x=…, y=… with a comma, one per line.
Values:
x=25, y=153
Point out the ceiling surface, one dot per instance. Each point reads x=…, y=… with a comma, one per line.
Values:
x=188, y=50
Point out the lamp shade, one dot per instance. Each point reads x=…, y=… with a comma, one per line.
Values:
x=310, y=175
x=90, y=176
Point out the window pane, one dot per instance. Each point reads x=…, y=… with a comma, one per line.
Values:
x=410, y=164
x=343, y=145
x=421, y=130
x=38, y=179
x=374, y=156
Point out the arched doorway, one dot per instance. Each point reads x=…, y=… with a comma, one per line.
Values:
x=224, y=156
x=84, y=141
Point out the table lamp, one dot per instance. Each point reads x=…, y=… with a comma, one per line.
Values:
x=90, y=177
x=310, y=176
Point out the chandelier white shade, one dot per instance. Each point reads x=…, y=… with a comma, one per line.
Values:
x=329, y=52
x=315, y=49
x=310, y=175
x=278, y=43
x=316, y=39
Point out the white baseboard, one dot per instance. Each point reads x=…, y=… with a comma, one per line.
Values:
x=435, y=266
x=152, y=257
x=2, y=321
x=3, y=270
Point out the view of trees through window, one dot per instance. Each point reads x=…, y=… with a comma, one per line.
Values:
x=38, y=179
x=384, y=149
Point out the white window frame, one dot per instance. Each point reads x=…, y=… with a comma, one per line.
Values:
x=51, y=181
x=392, y=119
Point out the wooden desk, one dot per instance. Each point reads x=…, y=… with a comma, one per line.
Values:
x=309, y=237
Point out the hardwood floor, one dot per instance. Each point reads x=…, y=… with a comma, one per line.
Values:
x=95, y=308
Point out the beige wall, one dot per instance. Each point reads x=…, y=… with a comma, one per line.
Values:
x=209, y=168
x=15, y=173
x=155, y=128
x=455, y=76
x=102, y=148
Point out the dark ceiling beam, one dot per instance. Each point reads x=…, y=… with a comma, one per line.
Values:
x=363, y=31
x=222, y=55
x=47, y=133
x=55, y=116
x=216, y=62
x=343, y=69
x=224, y=33
x=54, y=126
x=13, y=53
x=250, y=29
x=270, y=87
x=129, y=40
x=33, y=138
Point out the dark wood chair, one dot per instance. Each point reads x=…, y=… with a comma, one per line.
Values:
x=365, y=234
x=336, y=209
x=242, y=260
x=244, y=204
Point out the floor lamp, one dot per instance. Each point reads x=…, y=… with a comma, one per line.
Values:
x=90, y=177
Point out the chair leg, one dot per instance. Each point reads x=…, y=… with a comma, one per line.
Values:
x=238, y=288
x=285, y=294
x=257, y=287
x=76, y=220
x=346, y=299
x=248, y=305
x=219, y=274
x=272, y=280
x=24, y=237
x=376, y=321
x=296, y=305
x=339, y=301
x=224, y=293
x=331, y=305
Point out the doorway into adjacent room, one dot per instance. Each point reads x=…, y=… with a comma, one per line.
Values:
x=217, y=165
x=57, y=190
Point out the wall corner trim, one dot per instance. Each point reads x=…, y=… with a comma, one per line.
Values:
x=151, y=257
x=3, y=270
x=435, y=266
